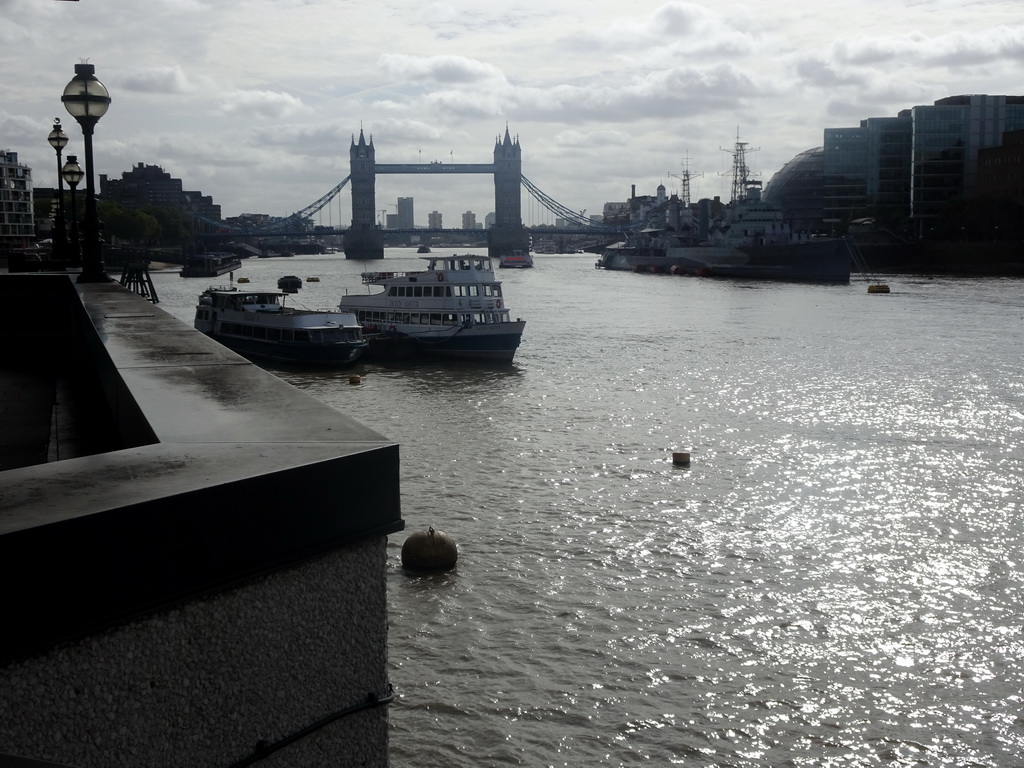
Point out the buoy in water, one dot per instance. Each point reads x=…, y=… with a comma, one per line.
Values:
x=681, y=458
x=429, y=550
x=354, y=379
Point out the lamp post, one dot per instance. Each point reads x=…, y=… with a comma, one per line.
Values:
x=87, y=100
x=72, y=173
x=58, y=140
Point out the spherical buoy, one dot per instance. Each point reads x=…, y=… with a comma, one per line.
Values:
x=354, y=379
x=429, y=550
x=681, y=458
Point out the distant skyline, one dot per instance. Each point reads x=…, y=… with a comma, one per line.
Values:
x=255, y=103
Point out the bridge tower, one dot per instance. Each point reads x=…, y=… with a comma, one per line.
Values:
x=508, y=233
x=364, y=239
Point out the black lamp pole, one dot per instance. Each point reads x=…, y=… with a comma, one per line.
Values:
x=72, y=173
x=58, y=140
x=87, y=100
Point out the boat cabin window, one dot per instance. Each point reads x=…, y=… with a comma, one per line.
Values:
x=420, y=291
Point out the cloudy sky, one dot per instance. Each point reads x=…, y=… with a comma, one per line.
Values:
x=256, y=102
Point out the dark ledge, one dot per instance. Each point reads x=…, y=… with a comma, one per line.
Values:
x=226, y=472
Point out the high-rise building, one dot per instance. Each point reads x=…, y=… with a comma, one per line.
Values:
x=905, y=169
x=405, y=219
x=867, y=170
x=469, y=220
x=947, y=138
x=17, y=228
x=434, y=220
x=1001, y=169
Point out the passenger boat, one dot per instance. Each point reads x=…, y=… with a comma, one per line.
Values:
x=289, y=283
x=453, y=308
x=256, y=323
x=516, y=260
x=546, y=246
x=210, y=265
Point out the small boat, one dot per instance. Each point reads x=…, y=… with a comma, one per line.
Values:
x=210, y=265
x=256, y=323
x=453, y=308
x=423, y=249
x=516, y=260
x=290, y=283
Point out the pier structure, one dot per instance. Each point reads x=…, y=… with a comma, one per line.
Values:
x=195, y=551
x=365, y=238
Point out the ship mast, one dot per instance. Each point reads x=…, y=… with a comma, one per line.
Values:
x=740, y=172
x=684, y=178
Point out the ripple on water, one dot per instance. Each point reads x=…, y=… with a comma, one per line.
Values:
x=836, y=579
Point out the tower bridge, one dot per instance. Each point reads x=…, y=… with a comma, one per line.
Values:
x=364, y=238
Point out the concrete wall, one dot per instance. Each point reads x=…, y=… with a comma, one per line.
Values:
x=201, y=684
x=214, y=581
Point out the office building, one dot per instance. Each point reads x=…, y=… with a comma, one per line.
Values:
x=903, y=170
x=867, y=171
x=151, y=185
x=17, y=228
x=405, y=218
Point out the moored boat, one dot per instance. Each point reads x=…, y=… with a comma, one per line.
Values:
x=749, y=239
x=256, y=323
x=453, y=308
x=516, y=260
x=210, y=265
x=290, y=283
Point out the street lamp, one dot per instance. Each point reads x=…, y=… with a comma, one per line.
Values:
x=86, y=99
x=72, y=173
x=58, y=140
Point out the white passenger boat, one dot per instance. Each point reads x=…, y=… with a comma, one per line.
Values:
x=453, y=308
x=256, y=323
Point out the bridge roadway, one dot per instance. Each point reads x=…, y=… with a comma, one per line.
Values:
x=601, y=232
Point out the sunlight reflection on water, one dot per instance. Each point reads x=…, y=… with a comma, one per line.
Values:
x=836, y=579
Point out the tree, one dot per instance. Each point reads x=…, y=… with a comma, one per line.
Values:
x=135, y=227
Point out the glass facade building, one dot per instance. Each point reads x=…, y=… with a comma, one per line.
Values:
x=798, y=189
x=902, y=171
x=947, y=139
x=17, y=225
x=867, y=171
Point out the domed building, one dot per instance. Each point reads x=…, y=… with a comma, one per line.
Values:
x=799, y=190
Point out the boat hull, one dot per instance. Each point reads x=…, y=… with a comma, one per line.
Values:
x=337, y=355
x=825, y=260
x=491, y=342
x=256, y=324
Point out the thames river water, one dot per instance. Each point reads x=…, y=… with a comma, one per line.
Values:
x=837, y=579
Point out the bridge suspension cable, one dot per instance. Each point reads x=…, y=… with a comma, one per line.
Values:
x=288, y=221
x=556, y=207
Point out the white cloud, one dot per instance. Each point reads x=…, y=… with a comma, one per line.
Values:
x=262, y=104
x=447, y=69
x=158, y=80
x=602, y=95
